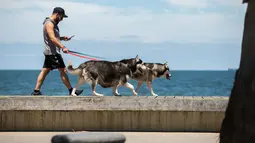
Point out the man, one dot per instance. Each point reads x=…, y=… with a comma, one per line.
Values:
x=53, y=59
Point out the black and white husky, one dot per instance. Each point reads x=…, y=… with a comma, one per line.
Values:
x=149, y=72
x=106, y=73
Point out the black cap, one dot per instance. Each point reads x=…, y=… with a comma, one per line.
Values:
x=60, y=10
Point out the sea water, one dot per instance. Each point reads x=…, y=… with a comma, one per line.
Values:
x=183, y=83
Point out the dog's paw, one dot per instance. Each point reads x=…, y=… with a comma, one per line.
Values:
x=155, y=95
x=135, y=94
x=100, y=95
x=116, y=94
x=73, y=94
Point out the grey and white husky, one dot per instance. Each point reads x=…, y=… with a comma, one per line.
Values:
x=149, y=72
x=106, y=73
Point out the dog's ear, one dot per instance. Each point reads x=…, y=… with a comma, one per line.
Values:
x=166, y=63
x=137, y=58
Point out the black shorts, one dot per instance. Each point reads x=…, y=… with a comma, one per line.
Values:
x=54, y=61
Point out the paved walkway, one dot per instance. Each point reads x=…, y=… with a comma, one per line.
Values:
x=132, y=137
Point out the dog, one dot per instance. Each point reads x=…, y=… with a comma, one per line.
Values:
x=148, y=72
x=106, y=73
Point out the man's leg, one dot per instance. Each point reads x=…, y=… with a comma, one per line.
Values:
x=40, y=79
x=66, y=81
x=65, y=78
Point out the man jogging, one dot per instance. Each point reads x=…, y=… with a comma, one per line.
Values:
x=52, y=46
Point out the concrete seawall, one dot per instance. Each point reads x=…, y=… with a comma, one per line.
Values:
x=127, y=113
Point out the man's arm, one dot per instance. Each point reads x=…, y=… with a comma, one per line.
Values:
x=49, y=29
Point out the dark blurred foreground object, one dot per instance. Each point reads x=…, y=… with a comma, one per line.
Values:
x=238, y=125
x=89, y=137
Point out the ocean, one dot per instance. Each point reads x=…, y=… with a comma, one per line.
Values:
x=183, y=83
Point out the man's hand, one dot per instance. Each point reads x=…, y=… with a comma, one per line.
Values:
x=65, y=50
x=65, y=38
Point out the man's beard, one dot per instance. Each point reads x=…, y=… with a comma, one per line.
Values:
x=57, y=20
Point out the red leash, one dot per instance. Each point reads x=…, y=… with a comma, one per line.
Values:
x=85, y=57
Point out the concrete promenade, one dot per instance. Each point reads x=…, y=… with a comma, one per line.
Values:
x=109, y=113
x=131, y=137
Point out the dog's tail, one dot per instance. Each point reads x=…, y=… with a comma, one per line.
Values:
x=73, y=71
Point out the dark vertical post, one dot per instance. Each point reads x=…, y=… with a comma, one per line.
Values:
x=238, y=125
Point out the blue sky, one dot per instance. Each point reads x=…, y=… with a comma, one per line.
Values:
x=189, y=34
